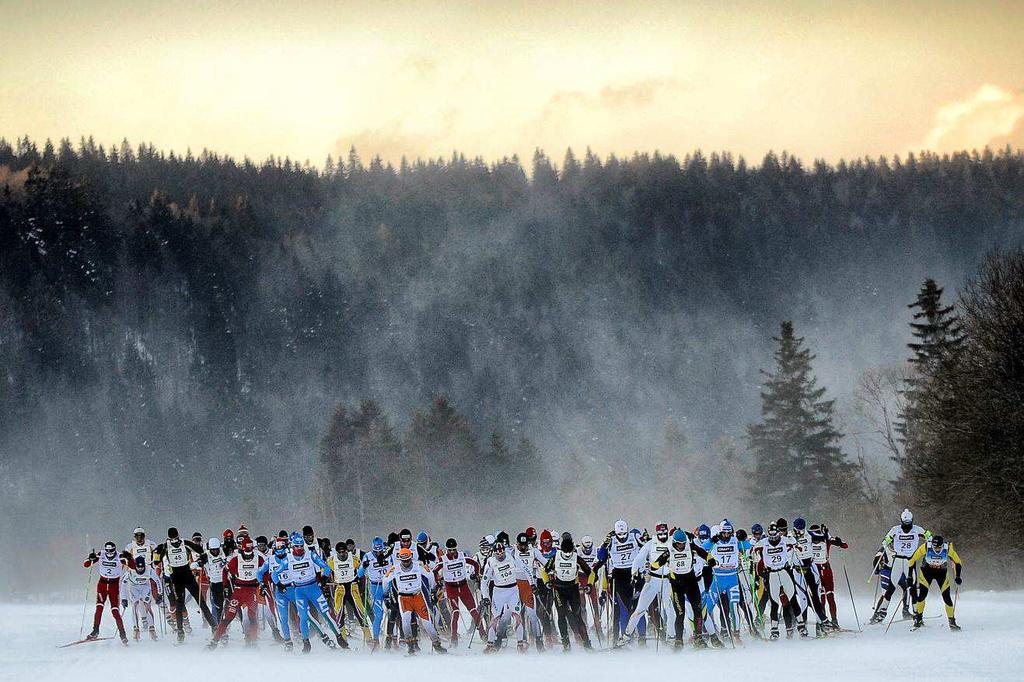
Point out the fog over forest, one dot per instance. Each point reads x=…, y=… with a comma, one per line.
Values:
x=551, y=342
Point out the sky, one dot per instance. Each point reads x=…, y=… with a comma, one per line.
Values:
x=304, y=80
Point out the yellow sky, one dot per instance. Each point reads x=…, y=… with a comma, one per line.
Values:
x=496, y=78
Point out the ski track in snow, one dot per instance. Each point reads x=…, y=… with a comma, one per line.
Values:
x=991, y=646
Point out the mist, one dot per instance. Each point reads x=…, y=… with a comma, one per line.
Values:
x=177, y=331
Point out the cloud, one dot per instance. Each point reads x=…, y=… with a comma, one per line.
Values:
x=992, y=116
x=405, y=136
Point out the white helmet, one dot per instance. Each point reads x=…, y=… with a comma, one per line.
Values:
x=621, y=528
x=213, y=543
x=139, y=531
x=907, y=517
x=586, y=540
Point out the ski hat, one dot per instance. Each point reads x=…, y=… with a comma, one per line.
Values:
x=213, y=543
x=140, y=563
x=799, y=523
x=906, y=517
x=228, y=533
x=139, y=530
x=567, y=543
x=757, y=529
x=109, y=547
x=490, y=540
x=773, y=531
x=307, y=530
x=546, y=541
x=378, y=544
x=242, y=530
x=621, y=528
x=245, y=545
x=422, y=537
x=938, y=541
x=502, y=536
x=280, y=547
x=405, y=534
x=703, y=532
x=587, y=541
x=816, y=533
x=680, y=537
x=197, y=534
x=172, y=533
x=661, y=529
x=725, y=528
x=522, y=539
x=782, y=524
x=451, y=543
x=499, y=547
x=297, y=540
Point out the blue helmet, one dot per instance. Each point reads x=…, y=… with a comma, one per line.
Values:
x=378, y=544
x=679, y=536
x=704, y=532
x=422, y=536
x=757, y=528
x=799, y=523
x=297, y=540
x=725, y=528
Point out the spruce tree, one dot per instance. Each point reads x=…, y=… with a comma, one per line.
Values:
x=798, y=464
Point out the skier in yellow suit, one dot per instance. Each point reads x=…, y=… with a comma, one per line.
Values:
x=346, y=590
x=933, y=559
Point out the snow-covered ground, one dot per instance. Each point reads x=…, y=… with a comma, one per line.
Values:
x=991, y=646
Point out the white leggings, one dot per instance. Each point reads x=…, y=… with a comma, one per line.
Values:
x=505, y=605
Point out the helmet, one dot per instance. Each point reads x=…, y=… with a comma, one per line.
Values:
x=139, y=530
x=906, y=517
x=282, y=533
x=703, y=532
x=938, y=540
x=502, y=536
x=661, y=530
x=757, y=529
x=280, y=547
x=172, y=533
x=621, y=528
x=140, y=563
x=213, y=543
x=816, y=532
x=245, y=544
x=546, y=541
x=340, y=547
x=228, y=533
x=422, y=537
x=490, y=540
x=800, y=524
x=680, y=537
x=405, y=534
x=405, y=554
x=297, y=540
x=567, y=545
x=725, y=529
x=109, y=547
x=499, y=547
x=306, y=530
x=782, y=524
x=587, y=541
x=741, y=535
x=451, y=543
x=197, y=534
x=531, y=534
x=378, y=544
x=522, y=539
x=773, y=530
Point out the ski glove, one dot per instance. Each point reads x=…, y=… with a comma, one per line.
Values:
x=603, y=599
x=124, y=603
x=93, y=557
x=712, y=562
x=159, y=600
x=485, y=603
x=958, y=580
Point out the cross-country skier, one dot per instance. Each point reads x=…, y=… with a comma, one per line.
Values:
x=454, y=570
x=542, y=590
x=589, y=592
x=679, y=560
x=407, y=576
x=141, y=586
x=212, y=563
x=728, y=596
x=242, y=575
x=276, y=566
x=302, y=568
x=347, y=598
x=500, y=589
x=176, y=554
x=568, y=570
x=805, y=574
x=110, y=567
x=902, y=541
x=141, y=547
x=372, y=568
x=775, y=564
x=528, y=560
x=618, y=550
x=932, y=563
x=821, y=549
x=655, y=586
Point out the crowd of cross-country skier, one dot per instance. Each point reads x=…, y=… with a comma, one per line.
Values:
x=709, y=587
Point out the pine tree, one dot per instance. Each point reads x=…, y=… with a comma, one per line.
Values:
x=798, y=464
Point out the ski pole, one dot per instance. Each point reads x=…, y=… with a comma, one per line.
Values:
x=853, y=602
x=661, y=616
x=85, y=604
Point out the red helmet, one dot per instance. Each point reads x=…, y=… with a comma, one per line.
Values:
x=245, y=544
x=228, y=533
x=531, y=533
x=546, y=541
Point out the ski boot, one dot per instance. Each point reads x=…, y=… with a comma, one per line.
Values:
x=789, y=633
x=621, y=642
x=491, y=648
x=306, y=646
x=152, y=633
x=211, y=645
x=390, y=642
x=877, y=618
x=288, y=646
x=952, y=624
x=716, y=642
x=328, y=642
x=642, y=642
x=124, y=639
x=438, y=649
x=834, y=624
x=342, y=642
x=181, y=636
x=188, y=626
x=453, y=641
x=411, y=647
x=374, y=644
x=677, y=645
x=699, y=642
x=774, y=636
x=802, y=629
x=136, y=633
x=565, y=646
x=906, y=614
x=918, y=621
x=820, y=630
x=523, y=646
x=92, y=635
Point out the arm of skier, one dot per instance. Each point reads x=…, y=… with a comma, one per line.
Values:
x=640, y=560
